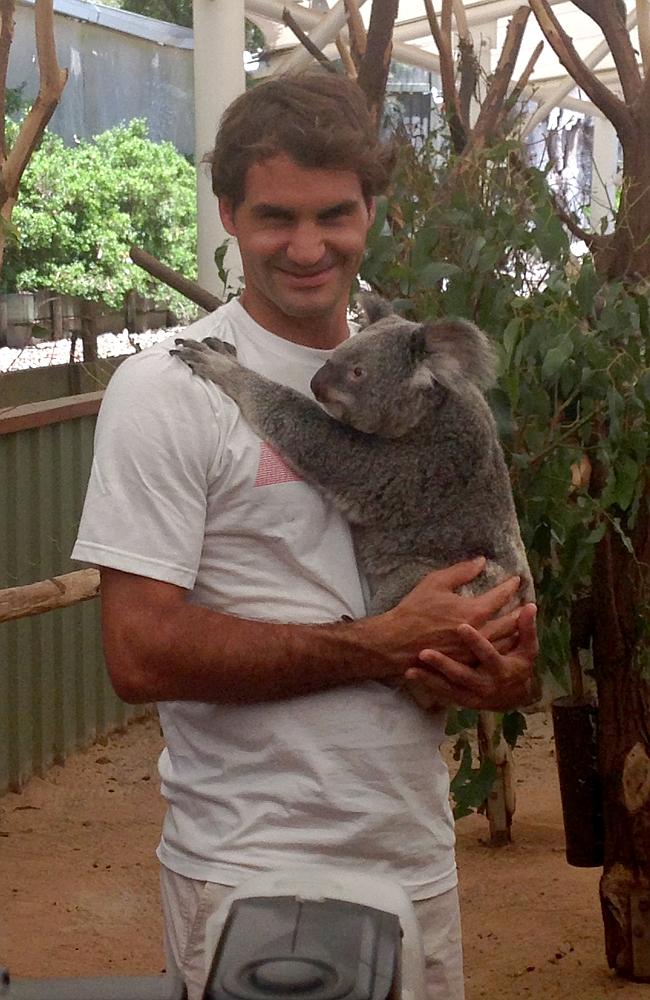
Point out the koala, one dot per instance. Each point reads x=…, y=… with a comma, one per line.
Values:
x=401, y=440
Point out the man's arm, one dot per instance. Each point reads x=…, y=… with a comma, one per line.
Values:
x=159, y=647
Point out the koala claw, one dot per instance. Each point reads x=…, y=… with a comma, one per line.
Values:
x=206, y=358
x=220, y=346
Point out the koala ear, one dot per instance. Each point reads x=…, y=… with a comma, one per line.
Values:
x=456, y=350
x=372, y=308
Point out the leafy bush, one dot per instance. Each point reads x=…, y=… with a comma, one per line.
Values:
x=82, y=207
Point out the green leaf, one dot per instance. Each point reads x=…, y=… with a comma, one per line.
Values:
x=627, y=474
x=556, y=357
x=587, y=286
x=514, y=725
x=434, y=272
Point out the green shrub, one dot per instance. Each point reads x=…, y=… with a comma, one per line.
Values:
x=81, y=208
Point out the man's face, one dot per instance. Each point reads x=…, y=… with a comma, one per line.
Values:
x=301, y=235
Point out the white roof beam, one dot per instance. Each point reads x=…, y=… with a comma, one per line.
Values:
x=310, y=20
x=475, y=14
x=325, y=31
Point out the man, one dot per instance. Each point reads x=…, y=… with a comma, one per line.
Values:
x=230, y=593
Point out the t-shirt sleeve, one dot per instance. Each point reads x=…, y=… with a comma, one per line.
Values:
x=157, y=438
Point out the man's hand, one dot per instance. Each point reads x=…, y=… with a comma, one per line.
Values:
x=431, y=614
x=500, y=681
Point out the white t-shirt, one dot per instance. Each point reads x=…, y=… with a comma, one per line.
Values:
x=183, y=491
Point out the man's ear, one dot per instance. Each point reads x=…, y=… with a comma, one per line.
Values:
x=227, y=215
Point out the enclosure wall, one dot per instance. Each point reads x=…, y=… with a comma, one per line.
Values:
x=55, y=696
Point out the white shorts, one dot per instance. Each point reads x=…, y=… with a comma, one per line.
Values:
x=187, y=903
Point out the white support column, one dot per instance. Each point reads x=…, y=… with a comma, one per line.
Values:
x=218, y=78
x=604, y=173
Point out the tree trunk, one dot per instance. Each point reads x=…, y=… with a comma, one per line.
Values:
x=500, y=803
x=620, y=603
x=628, y=254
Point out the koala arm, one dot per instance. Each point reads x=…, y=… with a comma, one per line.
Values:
x=315, y=444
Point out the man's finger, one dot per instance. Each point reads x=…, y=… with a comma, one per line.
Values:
x=452, y=670
x=528, y=641
x=493, y=600
x=500, y=628
x=452, y=577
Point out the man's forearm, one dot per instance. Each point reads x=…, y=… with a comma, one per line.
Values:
x=197, y=654
x=160, y=647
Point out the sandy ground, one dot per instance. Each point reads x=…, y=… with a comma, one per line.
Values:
x=79, y=893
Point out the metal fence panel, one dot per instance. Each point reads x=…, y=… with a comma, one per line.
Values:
x=55, y=696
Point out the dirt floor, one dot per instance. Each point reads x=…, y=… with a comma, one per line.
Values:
x=79, y=893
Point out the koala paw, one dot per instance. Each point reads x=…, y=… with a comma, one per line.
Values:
x=207, y=358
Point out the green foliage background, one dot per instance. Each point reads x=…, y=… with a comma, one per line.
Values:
x=82, y=207
x=482, y=240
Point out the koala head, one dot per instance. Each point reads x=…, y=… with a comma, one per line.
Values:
x=385, y=378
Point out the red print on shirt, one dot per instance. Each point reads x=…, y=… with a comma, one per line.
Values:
x=272, y=469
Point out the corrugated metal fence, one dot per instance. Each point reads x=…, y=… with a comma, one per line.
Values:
x=55, y=696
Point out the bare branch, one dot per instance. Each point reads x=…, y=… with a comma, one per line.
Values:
x=306, y=42
x=521, y=83
x=457, y=126
x=346, y=58
x=445, y=18
x=190, y=289
x=7, y=12
x=493, y=105
x=52, y=82
x=469, y=77
x=461, y=22
x=373, y=72
x=608, y=103
x=643, y=25
x=356, y=31
x=612, y=22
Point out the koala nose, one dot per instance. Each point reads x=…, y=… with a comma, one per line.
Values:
x=319, y=382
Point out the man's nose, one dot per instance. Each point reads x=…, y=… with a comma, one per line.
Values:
x=306, y=246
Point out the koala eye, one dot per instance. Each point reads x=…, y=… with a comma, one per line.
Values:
x=358, y=372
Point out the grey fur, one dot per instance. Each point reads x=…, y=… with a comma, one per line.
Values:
x=408, y=452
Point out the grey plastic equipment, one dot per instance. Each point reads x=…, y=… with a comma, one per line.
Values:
x=284, y=948
x=94, y=988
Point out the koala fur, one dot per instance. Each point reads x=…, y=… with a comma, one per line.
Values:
x=407, y=451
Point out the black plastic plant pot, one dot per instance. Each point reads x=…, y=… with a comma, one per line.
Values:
x=575, y=727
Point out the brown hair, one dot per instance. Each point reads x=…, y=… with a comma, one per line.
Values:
x=320, y=120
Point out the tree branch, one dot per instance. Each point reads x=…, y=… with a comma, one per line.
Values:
x=356, y=31
x=612, y=22
x=461, y=22
x=493, y=105
x=520, y=85
x=190, y=289
x=306, y=41
x=373, y=72
x=346, y=58
x=643, y=26
x=7, y=12
x=52, y=82
x=610, y=105
x=457, y=126
x=469, y=76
